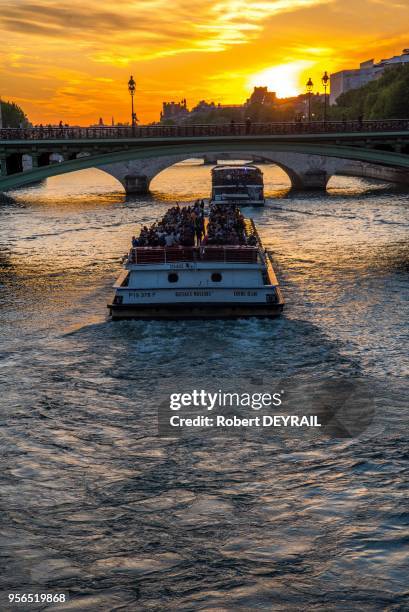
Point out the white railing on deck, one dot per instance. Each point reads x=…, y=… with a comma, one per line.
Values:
x=166, y=255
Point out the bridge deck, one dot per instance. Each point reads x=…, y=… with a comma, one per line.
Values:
x=385, y=143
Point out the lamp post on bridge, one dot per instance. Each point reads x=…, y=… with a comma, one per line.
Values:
x=310, y=86
x=325, y=80
x=131, y=89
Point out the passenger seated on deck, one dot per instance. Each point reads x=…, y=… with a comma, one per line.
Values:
x=170, y=239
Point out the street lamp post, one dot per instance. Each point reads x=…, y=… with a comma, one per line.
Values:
x=310, y=86
x=131, y=89
x=325, y=80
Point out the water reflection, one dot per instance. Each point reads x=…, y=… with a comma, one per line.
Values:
x=94, y=503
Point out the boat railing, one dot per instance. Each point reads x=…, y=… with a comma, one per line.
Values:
x=166, y=255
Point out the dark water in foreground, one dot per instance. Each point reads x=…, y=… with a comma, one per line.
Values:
x=94, y=504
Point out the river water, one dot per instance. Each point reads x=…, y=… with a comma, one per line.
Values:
x=95, y=505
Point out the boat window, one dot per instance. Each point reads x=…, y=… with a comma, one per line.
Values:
x=173, y=277
x=216, y=277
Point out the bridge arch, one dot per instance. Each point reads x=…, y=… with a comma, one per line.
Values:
x=304, y=171
x=212, y=160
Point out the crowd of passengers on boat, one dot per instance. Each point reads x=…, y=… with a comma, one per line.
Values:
x=178, y=227
x=185, y=226
x=226, y=226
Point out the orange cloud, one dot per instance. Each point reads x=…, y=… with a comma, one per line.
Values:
x=70, y=60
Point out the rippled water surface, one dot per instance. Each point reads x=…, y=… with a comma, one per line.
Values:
x=95, y=505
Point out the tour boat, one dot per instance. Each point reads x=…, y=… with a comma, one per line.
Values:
x=242, y=185
x=198, y=282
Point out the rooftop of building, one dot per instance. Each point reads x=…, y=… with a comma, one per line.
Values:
x=371, y=65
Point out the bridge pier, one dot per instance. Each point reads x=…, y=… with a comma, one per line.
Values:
x=14, y=163
x=312, y=180
x=260, y=160
x=136, y=184
x=209, y=160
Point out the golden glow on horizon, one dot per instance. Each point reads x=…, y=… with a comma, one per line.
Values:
x=285, y=80
x=63, y=60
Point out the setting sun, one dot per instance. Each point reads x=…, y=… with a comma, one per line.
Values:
x=285, y=80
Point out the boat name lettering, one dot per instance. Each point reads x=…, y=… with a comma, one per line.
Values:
x=193, y=293
x=141, y=294
x=179, y=266
x=245, y=293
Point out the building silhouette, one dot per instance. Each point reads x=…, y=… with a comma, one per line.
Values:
x=262, y=96
x=177, y=112
x=345, y=80
x=174, y=110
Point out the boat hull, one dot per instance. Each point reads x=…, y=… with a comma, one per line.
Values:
x=194, y=311
x=243, y=203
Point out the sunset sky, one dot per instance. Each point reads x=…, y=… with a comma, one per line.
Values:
x=72, y=60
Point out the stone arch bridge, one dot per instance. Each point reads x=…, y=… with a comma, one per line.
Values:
x=309, y=154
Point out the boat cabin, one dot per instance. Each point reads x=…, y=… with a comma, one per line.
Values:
x=242, y=185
